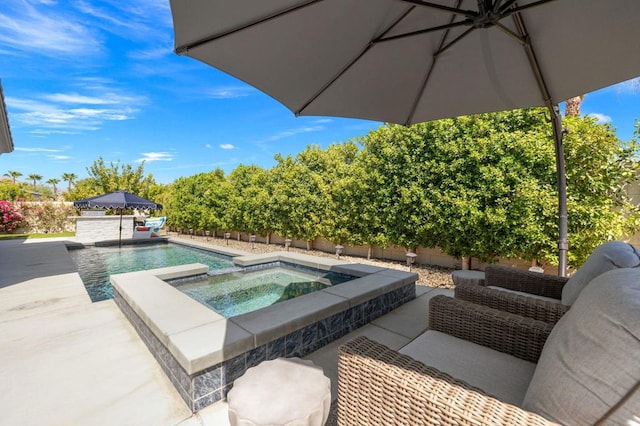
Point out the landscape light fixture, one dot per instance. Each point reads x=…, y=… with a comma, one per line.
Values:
x=338, y=251
x=411, y=258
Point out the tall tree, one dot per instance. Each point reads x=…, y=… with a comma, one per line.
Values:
x=14, y=175
x=484, y=185
x=35, y=178
x=69, y=178
x=199, y=202
x=105, y=178
x=299, y=202
x=53, y=182
x=249, y=206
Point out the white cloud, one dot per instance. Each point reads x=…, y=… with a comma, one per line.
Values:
x=208, y=145
x=43, y=132
x=73, y=111
x=103, y=93
x=231, y=92
x=293, y=132
x=629, y=87
x=227, y=146
x=59, y=157
x=43, y=30
x=148, y=157
x=152, y=53
x=36, y=149
x=134, y=20
x=601, y=118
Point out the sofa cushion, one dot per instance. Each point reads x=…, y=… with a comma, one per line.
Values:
x=590, y=361
x=501, y=375
x=605, y=257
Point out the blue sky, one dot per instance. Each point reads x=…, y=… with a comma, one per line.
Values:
x=85, y=79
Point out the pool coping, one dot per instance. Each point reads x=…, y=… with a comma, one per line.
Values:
x=181, y=322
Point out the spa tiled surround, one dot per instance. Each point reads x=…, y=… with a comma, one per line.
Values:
x=203, y=353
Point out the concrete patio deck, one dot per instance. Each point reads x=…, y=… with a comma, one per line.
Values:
x=65, y=360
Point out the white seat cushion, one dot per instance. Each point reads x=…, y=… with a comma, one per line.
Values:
x=605, y=257
x=501, y=375
x=591, y=360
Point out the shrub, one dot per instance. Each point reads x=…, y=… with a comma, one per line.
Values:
x=10, y=216
x=48, y=217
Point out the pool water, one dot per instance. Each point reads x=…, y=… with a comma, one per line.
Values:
x=95, y=264
x=237, y=293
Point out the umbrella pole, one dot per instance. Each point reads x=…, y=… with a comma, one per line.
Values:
x=563, y=240
x=120, y=235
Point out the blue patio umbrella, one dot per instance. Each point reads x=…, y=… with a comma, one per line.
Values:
x=118, y=200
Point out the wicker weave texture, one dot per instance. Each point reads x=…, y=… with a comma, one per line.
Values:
x=531, y=307
x=502, y=331
x=523, y=281
x=379, y=386
x=526, y=281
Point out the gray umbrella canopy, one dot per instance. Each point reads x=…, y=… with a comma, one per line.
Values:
x=408, y=61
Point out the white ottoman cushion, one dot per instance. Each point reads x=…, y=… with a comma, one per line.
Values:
x=284, y=391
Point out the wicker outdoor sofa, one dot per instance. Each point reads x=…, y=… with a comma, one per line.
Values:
x=531, y=294
x=542, y=296
x=481, y=366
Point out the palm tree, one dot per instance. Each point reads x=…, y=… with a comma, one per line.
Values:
x=69, y=178
x=35, y=178
x=54, y=182
x=14, y=175
x=572, y=106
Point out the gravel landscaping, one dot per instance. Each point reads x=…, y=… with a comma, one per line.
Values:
x=432, y=276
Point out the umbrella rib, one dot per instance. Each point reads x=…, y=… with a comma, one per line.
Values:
x=456, y=10
x=181, y=50
x=466, y=22
x=504, y=10
x=431, y=68
x=454, y=41
x=506, y=30
x=533, y=60
x=350, y=64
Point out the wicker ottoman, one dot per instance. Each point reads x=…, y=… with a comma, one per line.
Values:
x=284, y=391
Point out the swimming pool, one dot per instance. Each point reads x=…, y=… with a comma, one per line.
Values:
x=95, y=264
x=245, y=291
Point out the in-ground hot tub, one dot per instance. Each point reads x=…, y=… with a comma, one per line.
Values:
x=203, y=352
x=248, y=289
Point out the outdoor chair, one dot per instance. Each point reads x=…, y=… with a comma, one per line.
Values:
x=141, y=232
x=477, y=365
x=155, y=223
x=542, y=296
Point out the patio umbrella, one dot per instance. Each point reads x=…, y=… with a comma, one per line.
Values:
x=118, y=200
x=408, y=61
